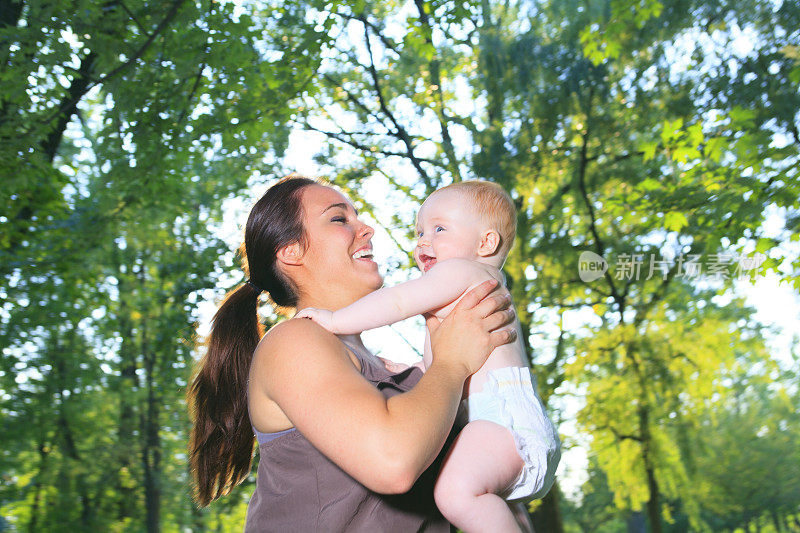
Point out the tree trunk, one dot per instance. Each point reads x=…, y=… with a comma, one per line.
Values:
x=196, y=516
x=128, y=385
x=70, y=444
x=776, y=521
x=44, y=451
x=435, y=83
x=69, y=105
x=653, y=504
x=10, y=11
x=152, y=448
x=152, y=463
x=636, y=522
x=547, y=517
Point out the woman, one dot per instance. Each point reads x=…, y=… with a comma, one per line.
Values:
x=344, y=444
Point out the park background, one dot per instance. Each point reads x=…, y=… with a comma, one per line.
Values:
x=134, y=136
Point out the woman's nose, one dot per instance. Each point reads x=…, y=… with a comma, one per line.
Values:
x=366, y=231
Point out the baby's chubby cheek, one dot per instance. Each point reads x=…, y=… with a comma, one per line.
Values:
x=415, y=255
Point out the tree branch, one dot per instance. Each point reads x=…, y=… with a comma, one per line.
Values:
x=72, y=102
x=161, y=26
x=400, y=132
x=340, y=136
x=80, y=86
x=189, y=98
x=435, y=82
x=581, y=178
x=386, y=42
x=355, y=100
x=620, y=436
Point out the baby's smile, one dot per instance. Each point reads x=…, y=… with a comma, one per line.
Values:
x=427, y=261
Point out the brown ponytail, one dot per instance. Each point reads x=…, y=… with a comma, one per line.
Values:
x=221, y=440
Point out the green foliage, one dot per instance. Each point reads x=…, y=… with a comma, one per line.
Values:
x=624, y=128
x=627, y=129
x=747, y=461
x=595, y=512
x=123, y=129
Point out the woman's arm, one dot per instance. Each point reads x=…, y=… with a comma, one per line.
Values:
x=441, y=285
x=383, y=443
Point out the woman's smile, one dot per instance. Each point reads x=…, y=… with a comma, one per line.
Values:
x=339, y=251
x=364, y=254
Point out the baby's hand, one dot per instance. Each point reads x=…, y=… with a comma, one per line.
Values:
x=396, y=368
x=323, y=317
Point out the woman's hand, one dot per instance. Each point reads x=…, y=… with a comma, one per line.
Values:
x=472, y=330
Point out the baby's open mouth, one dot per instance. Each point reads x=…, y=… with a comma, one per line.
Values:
x=427, y=262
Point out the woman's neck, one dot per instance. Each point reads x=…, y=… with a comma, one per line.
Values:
x=354, y=340
x=330, y=298
x=332, y=302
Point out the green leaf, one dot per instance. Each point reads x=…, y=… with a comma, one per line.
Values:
x=741, y=117
x=650, y=184
x=649, y=149
x=714, y=148
x=670, y=129
x=675, y=220
x=695, y=132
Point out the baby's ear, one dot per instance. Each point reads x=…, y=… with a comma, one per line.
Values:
x=490, y=243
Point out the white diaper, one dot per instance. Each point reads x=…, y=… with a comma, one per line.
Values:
x=509, y=398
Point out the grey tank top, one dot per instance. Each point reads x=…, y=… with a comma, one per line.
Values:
x=300, y=490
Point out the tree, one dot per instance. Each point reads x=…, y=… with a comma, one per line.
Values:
x=123, y=126
x=747, y=452
x=595, y=512
x=634, y=131
x=627, y=133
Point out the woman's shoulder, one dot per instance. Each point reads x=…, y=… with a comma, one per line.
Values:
x=297, y=342
x=293, y=344
x=298, y=333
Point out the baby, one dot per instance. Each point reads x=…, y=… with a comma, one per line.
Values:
x=509, y=449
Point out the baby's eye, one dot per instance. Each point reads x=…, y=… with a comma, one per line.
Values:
x=419, y=233
x=438, y=228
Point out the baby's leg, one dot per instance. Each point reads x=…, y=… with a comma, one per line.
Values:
x=482, y=462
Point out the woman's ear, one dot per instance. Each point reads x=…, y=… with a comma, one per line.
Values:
x=490, y=243
x=291, y=254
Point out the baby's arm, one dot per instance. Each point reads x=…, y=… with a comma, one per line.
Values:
x=442, y=284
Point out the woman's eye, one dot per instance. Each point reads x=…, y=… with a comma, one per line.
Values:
x=339, y=219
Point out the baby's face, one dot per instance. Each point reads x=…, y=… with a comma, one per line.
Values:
x=446, y=228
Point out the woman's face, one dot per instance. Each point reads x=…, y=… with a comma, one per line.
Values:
x=337, y=259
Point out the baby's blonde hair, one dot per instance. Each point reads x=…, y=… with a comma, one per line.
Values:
x=493, y=205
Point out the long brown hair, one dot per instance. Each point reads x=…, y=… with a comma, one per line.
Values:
x=221, y=441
